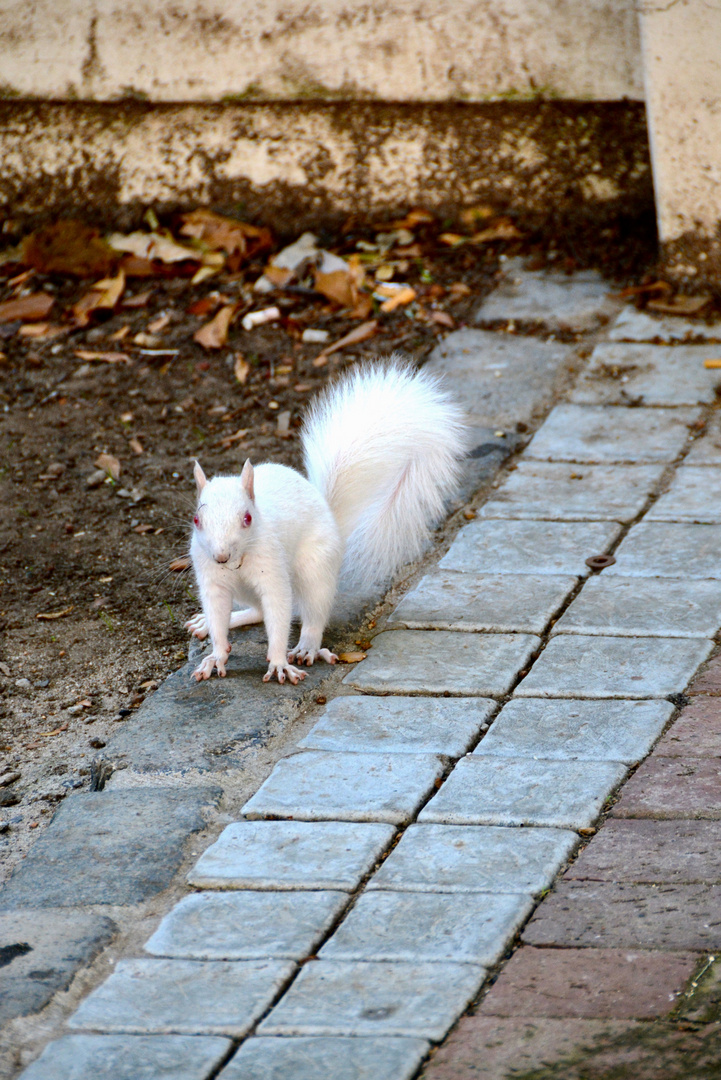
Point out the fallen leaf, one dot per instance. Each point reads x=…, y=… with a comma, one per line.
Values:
x=336, y=287
x=351, y=657
x=68, y=247
x=205, y=305
x=57, y=731
x=140, y=300
x=214, y=334
x=104, y=296
x=680, y=305
x=362, y=307
x=121, y=334
x=159, y=324
x=179, y=564
x=398, y=298
x=144, y=529
x=413, y=218
x=443, y=319
x=355, y=337
x=43, y=331
x=639, y=290
x=241, y=369
x=33, y=308
x=453, y=239
x=135, y=445
x=153, y=246
x=104, y=357
x=503, y=229
x=473, y=214
x=278, y=275
x=283, y=424
x=230, y=439
x=54, y=614
x=203, y=273
x=219, y=233
x=459, y=288
x=109, y=464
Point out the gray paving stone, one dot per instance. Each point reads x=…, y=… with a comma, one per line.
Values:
x=634, y=325
x=614, y=667
x=694, y=495
x=524, y=791
x=40, y=952
x=247, y=925
x=291, y=855
x=183, y=997
x=333, y=997
x=605, y=915
x=319, y=785
x=558, y=491
x=109, y=847
x=557, y=301
x=660, y=549
x=646, y=851
x=398, y=725
x=129, y=1057
x=646, y=375
x=470, y=928
x=706, y=450
x=609, y=433
x=644, y=607
x=472, y=858
x=579, y=730
x=441, y=661
x=529, y=547
x=326, y=1058
x=505, y=603
x=503, y=379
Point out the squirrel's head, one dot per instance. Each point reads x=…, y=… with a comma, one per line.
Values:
x=223, y=525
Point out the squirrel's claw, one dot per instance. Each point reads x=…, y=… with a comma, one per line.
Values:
x=205, y=668
x=198, y=626
x=281, y=670
x=309, y=656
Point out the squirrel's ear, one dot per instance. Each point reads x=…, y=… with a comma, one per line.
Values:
x=200, y=478
x=246, y=479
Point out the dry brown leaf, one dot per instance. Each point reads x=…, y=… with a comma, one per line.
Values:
x=159, y=324
x=179, y=564
x=413, y=218
x=103, y=357
x=241, y=369
x=57, y=731
x=219, y=233
x=135, y=445
x=42, y=331
x=473, y=214
x=142, y=529
x=503, y=229
x=230, y=439
x=398, y=298
x=459, y=288
x=68, y=247
x=214, y=334
x=336, y=287
x=351, y=657
x=109, y=464
x=33, y=308
x=355, y=337
x=443, y=319
x=153, y=247
x=54, y=614
x=104, y=296
x=453, y=239
x=362, y=307
x=680, y=305
x=639, y=290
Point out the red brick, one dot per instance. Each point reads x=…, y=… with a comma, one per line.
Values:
x=666, y=787
x=646, y=850
x=696, y=733
x=591, y=984
x=708, y=681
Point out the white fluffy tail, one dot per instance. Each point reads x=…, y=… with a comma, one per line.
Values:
x=384, y=446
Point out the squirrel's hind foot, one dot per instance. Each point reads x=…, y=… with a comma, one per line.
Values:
x=205, y=668
x=282, y=670
x=309, y=656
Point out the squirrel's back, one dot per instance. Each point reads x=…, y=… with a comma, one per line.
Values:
x=384, y=446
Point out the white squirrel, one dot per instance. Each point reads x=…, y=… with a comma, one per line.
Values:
x=382, y=449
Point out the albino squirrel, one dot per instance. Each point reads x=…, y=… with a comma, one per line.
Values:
x=382, y=450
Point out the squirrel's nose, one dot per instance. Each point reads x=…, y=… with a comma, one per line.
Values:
x=223, y=557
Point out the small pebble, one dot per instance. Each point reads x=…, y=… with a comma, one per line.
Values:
x=98, y=744
x=23, y=684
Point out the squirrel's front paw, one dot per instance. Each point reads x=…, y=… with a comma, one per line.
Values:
x=198, y=626
x=281, y=670
x=205, y=668
x=308, y=656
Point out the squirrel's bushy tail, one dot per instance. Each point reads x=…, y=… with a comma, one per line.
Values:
x=384, y=446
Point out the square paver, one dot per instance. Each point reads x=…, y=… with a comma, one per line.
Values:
x=319, y=785
x=694, y=495
x=620, y=374
x=576, y=729
x=635, y=325
x=529, y=547
x=644, y=607
x=556, y=301
x=608, y=433
x=696, y=733
x=247, y=925
x=595, y=667
x=400, y=725
x=129, y=1057
x=451, y=600
x=291, y=855
x=472, y=858
x=660, y=549
x=706, y=450
x=471, y=928
x=524, y=791
x=183, y=997
x=326, y=1058
x=672, y=787
x=605, y=984
x=334, y=997
x=605, y=915
x=647, y=851
x=441, y=661
x=555, y=490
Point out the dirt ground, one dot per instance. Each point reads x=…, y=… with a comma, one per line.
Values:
x=92, y=614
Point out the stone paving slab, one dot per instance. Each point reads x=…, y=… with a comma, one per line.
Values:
x=129, y=1057
x=442, y=662
x=608, y=433
x=644, y=607
x=696, y=733
x=326, y=1058
x=40, y=952
x=600, y=730
x=334, y=997
x=706, y=450
x=472, y=858
x=319, y=785
x=694, y=496
x=504, y=379
x=398, y=725
x=183, y=997
x=634, y=325
x=524, y=791
x=554, y=300
x=109, y=847
x=291, y=855
x=247, y=925
x=620, y=374
x=468, y=928
x=616, y=667
x=651, y=852
x=529, y=547
x=669, y=787
x=554, y=490
x=606, y=915
x=503, y=603
x=598, y=984
x=660, y=549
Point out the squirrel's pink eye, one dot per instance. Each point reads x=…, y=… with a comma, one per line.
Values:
x=246, y=520
x=196, y=521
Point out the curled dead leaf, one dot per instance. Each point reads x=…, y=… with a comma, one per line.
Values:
x=214, y=334
x=355, y=337
x=351, y=657
x=68, y=247
x=33, y=308
x=103, y=357
x=109, y=464
x=241, y=369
